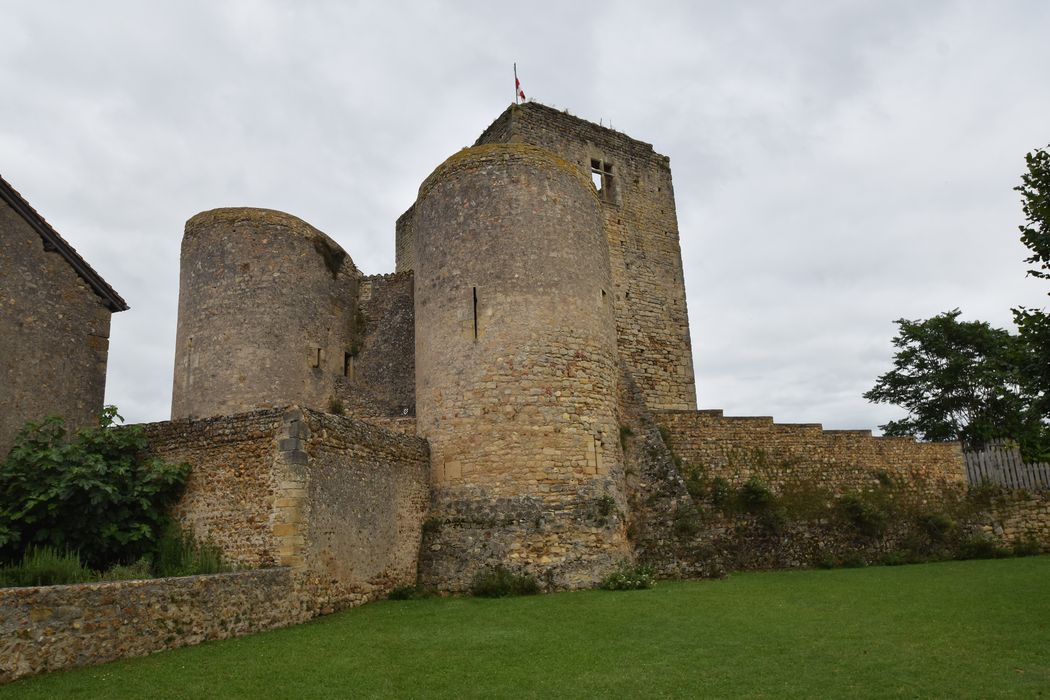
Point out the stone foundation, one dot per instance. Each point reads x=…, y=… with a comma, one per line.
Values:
x=59, y=627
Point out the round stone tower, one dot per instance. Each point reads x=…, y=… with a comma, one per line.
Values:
x=516, y=369
x=266, y=306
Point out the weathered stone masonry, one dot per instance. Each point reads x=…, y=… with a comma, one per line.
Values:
x=538, y=308
x=516, y=367
x=59, y=627
x=737, y=449
x=330, y=496
x=54, y=324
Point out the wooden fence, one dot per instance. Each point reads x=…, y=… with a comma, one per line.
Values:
x=1000, y=463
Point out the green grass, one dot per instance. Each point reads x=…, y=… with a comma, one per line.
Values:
x=953, y=629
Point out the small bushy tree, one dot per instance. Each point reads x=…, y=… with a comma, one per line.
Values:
x=1034, y=324
x=99, y=493
x=958, y=380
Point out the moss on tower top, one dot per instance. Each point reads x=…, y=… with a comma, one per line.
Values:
x=502, y=153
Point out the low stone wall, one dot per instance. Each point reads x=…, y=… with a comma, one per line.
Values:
x=1019, y=516
x=339, y=497
x=59, y=627
x=837, y=460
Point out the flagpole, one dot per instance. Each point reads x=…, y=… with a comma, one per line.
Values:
x=515, y=82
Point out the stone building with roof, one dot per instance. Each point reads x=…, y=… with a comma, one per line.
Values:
x=54, y=323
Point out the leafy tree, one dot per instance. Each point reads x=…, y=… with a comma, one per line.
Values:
x=1035, y=197
x=1034, y=324
x=959, y=380
x=99, y=494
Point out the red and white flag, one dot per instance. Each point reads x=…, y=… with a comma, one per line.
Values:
x=517, y=86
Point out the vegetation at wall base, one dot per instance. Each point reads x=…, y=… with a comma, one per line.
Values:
x=98, y=494
x=177, y=553
x=45, y=566
x=803, y=523
x=499, y=582
x=949, y=630
x=629, y=577
x=410, y=593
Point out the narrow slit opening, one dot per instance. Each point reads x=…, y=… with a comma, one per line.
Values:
x=474, y=293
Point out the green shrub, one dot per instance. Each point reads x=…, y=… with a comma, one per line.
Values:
x=98, y=494
x=984, y=494
x=852, y=560
x=978, y=547
x=721, y=491
x=755, y=497
x=500, y=583
x=409, y=593
x=937, y=526
x=1026, y=547
x=895, y=558
x=179, y=553
x=629, y=577
x=686, y=522
x=45, y=566
x=773, y=519
x=141, y=569
x=696, y=485
x=867, y=517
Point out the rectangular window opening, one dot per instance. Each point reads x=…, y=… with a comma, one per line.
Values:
x=316, y=359
x=597, y=178
x=601, y=177
x=348, y=365
x=475, y=294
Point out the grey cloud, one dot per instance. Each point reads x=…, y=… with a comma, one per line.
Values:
x=836, y=165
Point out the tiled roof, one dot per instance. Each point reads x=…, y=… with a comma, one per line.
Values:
x=53, y=241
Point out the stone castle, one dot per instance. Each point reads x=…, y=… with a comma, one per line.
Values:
x=534, y=331
x=519, y=393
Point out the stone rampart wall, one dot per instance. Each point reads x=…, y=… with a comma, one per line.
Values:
x=1019, y=516
x=838, y=460
x=380, y=373
x=59, y=627
x=332, y=495
x=404, y=243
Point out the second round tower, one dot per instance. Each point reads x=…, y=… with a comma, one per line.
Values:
x=516, y=369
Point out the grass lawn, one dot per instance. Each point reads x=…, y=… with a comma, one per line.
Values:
x=953, y=629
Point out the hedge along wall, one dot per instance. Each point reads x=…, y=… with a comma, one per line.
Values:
x=49, y=628
x=333, y=496
x=839, y=460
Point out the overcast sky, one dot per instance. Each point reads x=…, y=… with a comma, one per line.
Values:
x=837, y=165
